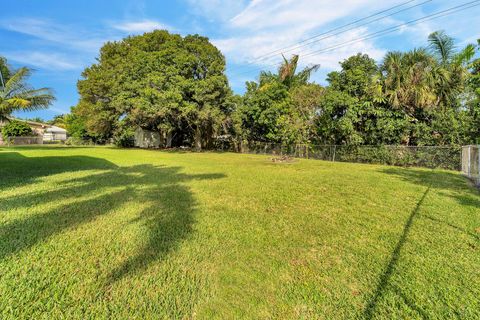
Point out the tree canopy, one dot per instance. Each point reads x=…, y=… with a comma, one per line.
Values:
x=157, y=81
x=425, y=96
x=177, y=86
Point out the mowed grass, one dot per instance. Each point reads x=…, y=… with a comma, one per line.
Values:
x=109, y=233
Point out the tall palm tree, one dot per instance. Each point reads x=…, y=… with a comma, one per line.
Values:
x=442, y=46
x=426, y=78
x=409, y=79
x=287, y=73
x=454, y=65
x=17, y=95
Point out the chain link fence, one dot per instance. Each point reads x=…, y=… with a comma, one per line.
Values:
x=444, y=157
x=471, y=163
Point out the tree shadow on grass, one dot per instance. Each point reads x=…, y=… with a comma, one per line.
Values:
x=446, y=183
x=449, y=183
x=451, y=225
x=168, y=210
x=384, y=281
x=17, y=170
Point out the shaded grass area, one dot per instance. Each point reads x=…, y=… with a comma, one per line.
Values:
x=104, y=232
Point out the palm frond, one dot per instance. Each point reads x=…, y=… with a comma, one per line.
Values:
x=17, y=95
x=17, y=80
x=465, y=55
x=442, y=45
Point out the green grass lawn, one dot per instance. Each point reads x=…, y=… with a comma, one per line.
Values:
x=110, y=233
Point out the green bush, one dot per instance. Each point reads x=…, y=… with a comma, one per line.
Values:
x=124, y=138
x=74, y=141
x=16, y=129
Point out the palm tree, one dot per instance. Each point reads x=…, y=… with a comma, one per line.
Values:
x=426, y=78
x=442, y=46
x=409, y=80
x=454, y=66
x=17, y=95
x=287, y=73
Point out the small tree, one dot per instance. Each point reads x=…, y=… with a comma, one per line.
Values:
x=16, y=129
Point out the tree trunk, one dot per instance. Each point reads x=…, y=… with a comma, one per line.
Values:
x=169, y=139
x=198, y=139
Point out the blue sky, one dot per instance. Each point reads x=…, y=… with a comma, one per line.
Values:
x=58, y=39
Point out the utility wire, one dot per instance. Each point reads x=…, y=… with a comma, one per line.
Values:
x=326, y=34
x=377, y=34
x=398, y=27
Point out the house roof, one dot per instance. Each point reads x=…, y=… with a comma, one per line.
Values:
x=48, y=127
x=30, y=122
x=55, y=129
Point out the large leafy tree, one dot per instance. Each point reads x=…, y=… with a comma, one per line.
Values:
x=306, y=101
x=17, y=95
x=265, y=111
x=350, y=112
x=158, y=81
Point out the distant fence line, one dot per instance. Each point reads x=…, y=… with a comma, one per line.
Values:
x=471, y=163
x=444, y=157
x=466, y=159
x=9, y=141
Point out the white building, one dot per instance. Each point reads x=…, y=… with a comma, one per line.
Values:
x=54, y=133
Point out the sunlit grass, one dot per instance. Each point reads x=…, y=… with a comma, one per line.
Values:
x=110, y=233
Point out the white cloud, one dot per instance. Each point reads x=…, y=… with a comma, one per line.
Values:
x=299, y=14
x=253, y=49
x=44, y=60
x=55, y=33
x=140, y=26
x=265, y=26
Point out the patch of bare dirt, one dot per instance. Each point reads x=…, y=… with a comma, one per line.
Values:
x=283, y=159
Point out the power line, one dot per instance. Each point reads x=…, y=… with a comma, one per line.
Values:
x=398, y=27
x=327, y=34
x=380, y=33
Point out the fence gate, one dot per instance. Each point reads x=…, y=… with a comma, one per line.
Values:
x=471, y=163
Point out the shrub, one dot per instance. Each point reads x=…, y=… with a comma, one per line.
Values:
x=74, y=141
x=124, y=138
x=16, y=128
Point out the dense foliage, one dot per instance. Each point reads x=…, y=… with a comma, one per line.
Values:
x=17, y=95
x=158, y=81
x=280, y=106
x=15, y=128
x=427, y=96
x=177, y=86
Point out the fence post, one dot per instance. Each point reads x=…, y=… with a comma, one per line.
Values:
x=469, y=162
x=478, y=166
x=334, y=150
